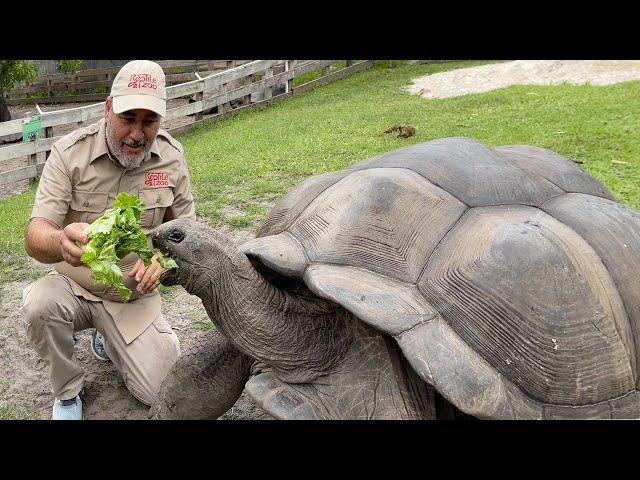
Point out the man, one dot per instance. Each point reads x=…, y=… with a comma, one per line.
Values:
x=126, y=151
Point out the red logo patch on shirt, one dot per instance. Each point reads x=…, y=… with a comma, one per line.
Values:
x=143, y=80
x=156, y=179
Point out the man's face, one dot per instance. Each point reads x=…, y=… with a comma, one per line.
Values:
x=130, y=134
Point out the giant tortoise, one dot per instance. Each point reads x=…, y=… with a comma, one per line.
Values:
x=440, y=280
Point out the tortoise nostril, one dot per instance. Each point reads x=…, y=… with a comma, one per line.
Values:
x=175, y=236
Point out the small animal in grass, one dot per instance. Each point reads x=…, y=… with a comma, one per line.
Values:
x=404, y=131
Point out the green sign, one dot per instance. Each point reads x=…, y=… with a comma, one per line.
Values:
x=31, y=129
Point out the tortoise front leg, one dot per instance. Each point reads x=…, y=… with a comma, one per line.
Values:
x=205, y=381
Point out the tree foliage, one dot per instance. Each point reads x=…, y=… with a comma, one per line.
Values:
x=16, y=71
x=69, y=66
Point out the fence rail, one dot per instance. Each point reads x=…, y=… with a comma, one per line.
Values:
x=216, y=96
x=90, y=81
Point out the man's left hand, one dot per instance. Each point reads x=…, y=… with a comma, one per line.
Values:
x=147, y=277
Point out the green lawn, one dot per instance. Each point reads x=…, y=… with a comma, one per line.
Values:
x=239, y=166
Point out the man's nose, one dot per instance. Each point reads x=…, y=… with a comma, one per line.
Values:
x=136, y=133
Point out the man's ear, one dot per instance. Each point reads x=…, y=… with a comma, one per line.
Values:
x=107, y=106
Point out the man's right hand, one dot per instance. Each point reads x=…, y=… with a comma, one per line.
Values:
x=72, y=233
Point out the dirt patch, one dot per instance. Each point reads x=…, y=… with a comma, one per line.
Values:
x=528, y=72
x=25, y=392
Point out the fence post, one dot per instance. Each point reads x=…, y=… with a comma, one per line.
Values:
x=325, y=70
x=48, y=133
x=224, y=107
x=110, y=80
x=199, y=98
x=290, y=65
x=33, y=158
x=268, y=90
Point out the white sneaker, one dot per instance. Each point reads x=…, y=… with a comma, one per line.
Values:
x=68, y=409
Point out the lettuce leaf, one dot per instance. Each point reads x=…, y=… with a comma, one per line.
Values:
x=111, y=237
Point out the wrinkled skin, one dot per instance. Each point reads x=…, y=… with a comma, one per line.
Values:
x=276, y=332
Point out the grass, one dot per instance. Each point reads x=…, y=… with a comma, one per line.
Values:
x=239, y=166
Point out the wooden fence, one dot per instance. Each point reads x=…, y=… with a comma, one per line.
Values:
x=92, y=85
x=205, y=100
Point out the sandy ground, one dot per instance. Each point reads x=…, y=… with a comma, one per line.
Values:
x=24, y=385
x=530, y=72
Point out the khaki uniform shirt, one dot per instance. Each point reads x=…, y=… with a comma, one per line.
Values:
x=80, y=181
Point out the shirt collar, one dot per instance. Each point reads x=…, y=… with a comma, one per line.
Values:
x=100, y=145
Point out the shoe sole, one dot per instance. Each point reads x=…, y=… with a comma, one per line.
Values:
x=99, y=357
x=102, y=359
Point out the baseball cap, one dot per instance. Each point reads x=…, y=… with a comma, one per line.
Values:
x=139, y=84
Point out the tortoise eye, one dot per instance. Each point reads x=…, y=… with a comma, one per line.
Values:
x=175, y=236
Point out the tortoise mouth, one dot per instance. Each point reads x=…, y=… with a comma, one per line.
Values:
x=172, y=276
x=164, y=240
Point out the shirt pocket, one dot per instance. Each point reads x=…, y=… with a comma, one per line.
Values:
x=86, y=206
x=156, y=200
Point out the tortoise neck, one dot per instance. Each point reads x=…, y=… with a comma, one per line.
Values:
x=299, y=336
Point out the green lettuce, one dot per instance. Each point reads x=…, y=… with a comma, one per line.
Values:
x=114, y=235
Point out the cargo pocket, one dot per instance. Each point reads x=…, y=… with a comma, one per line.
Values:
x=156, y=200
x=167, y=344
x=86, y=206
x=162, y=325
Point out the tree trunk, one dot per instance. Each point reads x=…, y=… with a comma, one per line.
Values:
x=5, y=114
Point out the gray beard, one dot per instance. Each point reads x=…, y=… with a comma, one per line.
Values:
x=128, y=162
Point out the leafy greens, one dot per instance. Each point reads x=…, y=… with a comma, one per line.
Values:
x=114, y=235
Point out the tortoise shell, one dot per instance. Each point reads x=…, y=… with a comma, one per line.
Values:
x=508, y=276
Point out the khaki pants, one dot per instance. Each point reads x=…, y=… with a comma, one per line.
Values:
x=53, y=312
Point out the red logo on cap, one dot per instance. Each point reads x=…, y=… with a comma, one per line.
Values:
x=156, y=179
x=142, y=80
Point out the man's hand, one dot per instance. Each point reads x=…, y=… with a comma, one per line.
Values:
x=72, y=233
x=147, y=277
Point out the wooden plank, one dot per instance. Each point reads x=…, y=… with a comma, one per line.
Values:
x=18, y=150
x=313, y=66
x=183, y=89
x=72, y=115
x=186, y=77
x=45, y=144
x=184, y=110
x=244, y=70
x=358, y=67
x=24, y=173
x=248, y=89
x=214, y=118
x=92, y=112
x=89, y=97
x=80, y=85
x=11, y=127
x=61, y=117
x=58, y=117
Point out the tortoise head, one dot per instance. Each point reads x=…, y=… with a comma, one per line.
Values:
x=195, y=250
